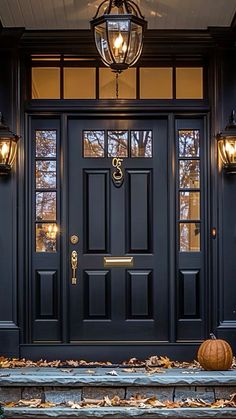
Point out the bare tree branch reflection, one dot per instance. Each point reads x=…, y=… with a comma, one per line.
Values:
x=141, y=143
x=94, y=143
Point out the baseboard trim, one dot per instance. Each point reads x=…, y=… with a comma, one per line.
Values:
x=115, y=353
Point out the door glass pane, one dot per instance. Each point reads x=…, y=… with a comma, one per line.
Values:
x=126, y=84
x=46, y=237
x=141, y=143
x=79, y=83
x=45, y=83
x=189, y=143
x=45, y=206
x=94, y=143
x=189, y=234
x=45, y=174
x=189, y=203
x=46, y=143
x=189, y=174
x=118, y=143
x=189, y=83
x=156, y=83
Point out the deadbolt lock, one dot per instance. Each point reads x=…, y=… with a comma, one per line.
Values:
x=74, y=239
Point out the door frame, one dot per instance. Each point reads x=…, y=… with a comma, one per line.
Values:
x=182, y=350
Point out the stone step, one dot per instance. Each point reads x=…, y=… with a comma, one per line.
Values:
x=63, y=385
x=107, y=377
x=119, y=413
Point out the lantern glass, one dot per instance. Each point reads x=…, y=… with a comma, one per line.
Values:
x=227, y=150
x=102, y=43
x=7, y=152
x=118, y=38
x=135, y=44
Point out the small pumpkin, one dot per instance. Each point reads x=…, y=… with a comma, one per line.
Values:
x=215, y=354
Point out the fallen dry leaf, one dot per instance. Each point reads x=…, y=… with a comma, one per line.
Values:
x=195, y=403
x=153, y=370
x=74, y=405
x=47, y=405
x=113, y=372
x=132, y=370
x=10, y=404
x=29, y=403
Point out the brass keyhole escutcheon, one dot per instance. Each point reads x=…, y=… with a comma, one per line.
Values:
x=74, y=239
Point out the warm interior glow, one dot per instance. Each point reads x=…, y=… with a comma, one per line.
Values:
x=230, y=149
x=52, y=231
x=4, y=151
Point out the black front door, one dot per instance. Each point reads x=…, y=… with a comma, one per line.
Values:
x=119, y=289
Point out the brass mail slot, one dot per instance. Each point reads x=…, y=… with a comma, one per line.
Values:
x=118, y=261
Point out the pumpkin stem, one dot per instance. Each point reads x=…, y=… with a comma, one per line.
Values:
x=212, y=336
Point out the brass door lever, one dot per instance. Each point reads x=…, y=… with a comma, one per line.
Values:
x=74, y=266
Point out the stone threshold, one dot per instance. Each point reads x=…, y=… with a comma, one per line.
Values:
x=82, y=377
x=119, y=413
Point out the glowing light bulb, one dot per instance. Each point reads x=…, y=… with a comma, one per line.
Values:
x=118, y=41
x=4, y=150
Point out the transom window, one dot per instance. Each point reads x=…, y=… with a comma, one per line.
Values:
x=62, y=77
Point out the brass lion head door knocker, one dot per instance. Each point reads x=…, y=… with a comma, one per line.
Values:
x=117, y=174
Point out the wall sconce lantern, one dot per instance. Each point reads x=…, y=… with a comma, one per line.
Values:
x=118, y=28
x=8, y=147
x=227, y=145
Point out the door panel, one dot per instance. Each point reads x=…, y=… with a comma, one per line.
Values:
x=118, y=303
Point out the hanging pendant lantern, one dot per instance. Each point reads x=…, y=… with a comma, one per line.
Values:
x=118, y=29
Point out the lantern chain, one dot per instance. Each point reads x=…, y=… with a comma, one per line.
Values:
x=117, y=85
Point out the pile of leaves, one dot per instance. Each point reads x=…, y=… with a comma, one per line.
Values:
x=150, y=363
x=137, y=401
x=23, y=363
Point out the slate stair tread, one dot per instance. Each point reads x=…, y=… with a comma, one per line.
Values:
x=119, y=412
x=101, y=377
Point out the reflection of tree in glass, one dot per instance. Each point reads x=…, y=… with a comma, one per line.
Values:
x=189, y=205
x=189, y=174
x=141, y=143
x=189, y=177
x=118, y=143
x=189, y=143
x=190, y=237
x=44, y=243
x=45, y=143
x=94, y=143
x=45, y=174
x=45, y=206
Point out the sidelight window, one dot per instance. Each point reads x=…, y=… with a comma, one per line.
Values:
x=45, y=191
x=189, y=195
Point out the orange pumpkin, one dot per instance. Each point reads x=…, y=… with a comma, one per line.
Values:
x=215, y=354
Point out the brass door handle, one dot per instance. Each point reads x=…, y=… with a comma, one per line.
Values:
x=74, y=266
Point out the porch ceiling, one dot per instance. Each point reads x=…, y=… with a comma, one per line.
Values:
x=76, y=14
